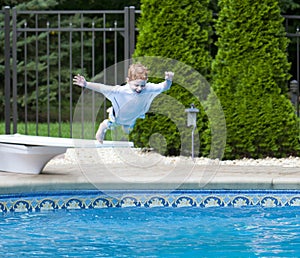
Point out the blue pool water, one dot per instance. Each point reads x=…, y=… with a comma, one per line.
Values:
x=253, y=231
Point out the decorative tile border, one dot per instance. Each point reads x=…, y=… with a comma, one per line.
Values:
x=94, y=199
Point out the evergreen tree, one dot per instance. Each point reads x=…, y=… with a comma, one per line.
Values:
x=47, y=67
x=250, y=76
x=178, y=31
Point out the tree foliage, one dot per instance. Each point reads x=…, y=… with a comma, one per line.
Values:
x=250, y=73
x=184, y=35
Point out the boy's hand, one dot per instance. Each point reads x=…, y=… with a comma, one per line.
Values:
x=79, y=80
x=169, y=76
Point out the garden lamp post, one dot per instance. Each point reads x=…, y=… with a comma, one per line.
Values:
x=294, y=89
x=192, y=121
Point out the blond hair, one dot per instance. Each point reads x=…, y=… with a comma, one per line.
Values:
x=137, y=72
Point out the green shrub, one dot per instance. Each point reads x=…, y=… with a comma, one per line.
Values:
x=250, y=74
x=181, y=31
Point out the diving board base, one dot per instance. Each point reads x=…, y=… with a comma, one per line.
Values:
x=29, y=154
x=26, y=159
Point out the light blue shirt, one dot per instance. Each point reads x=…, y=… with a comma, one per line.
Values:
x=129, y=105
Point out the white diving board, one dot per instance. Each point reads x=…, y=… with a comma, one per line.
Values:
x=30, y=154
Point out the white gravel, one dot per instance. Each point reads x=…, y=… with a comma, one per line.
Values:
x=125, y=155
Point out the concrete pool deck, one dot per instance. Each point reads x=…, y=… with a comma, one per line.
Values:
x=127, y=170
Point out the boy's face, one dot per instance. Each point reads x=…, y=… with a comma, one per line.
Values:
x=138, y=85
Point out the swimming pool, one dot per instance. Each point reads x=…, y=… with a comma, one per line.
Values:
x=151, y=224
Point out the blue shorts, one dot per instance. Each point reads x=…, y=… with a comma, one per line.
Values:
x=112, y=121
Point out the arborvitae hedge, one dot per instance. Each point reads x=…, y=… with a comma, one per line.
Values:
x=178, y=30
x=250, y=75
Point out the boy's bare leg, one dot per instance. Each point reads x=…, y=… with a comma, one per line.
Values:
x=102, y=130
x=127, y=129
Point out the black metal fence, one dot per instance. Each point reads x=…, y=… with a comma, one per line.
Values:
x=293, y=22
x=42, y=50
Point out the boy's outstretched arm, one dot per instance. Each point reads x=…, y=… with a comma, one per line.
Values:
x=163, y=86
x=168, y=79
x=102, y=88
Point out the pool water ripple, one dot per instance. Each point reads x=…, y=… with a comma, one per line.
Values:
x=157, y=232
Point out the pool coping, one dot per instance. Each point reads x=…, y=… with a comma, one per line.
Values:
x=127, y=169
x=157, y=177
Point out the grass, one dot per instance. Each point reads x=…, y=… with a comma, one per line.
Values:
x=53, y=130
x=43, y=129
x=64, y=130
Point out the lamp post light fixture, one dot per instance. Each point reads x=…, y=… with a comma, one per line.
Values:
x=192, y=121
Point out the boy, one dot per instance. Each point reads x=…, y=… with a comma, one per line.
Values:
x=129, y=102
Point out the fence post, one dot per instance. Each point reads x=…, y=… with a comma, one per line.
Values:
x=7, y=67
x=126, y=39
x=129, y=34
x=14, y=70
x=131, y=30
x=126, y=33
